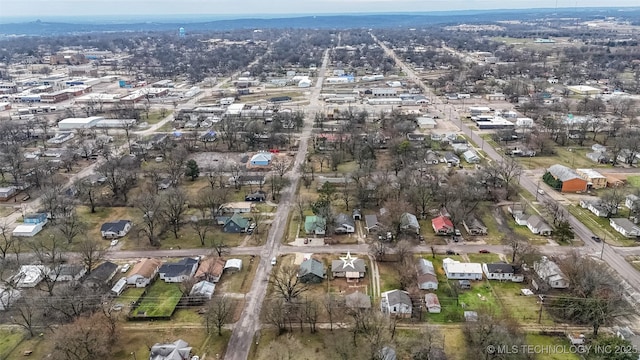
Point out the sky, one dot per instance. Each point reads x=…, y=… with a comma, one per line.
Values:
x=35, y=9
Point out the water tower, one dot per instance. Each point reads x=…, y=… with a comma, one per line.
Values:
x=181, y=32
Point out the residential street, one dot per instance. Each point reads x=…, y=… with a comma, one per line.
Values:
x=245, y=328
x=613, y=257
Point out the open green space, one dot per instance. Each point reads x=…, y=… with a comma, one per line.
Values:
x=576, y=158
x=634, y=181
x=156, y=116
x=9, y=339
x=159, y=301
x=483, y=258
x=130, y=295
x=523, y=309
x=544, y=340
x=478, y=297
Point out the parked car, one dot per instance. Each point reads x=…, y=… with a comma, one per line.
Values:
x=451, y=252
x=125, y=268
x=485, y=252
x=457, y=232
x=273, y=261
x=114, y=242
x=596, y=238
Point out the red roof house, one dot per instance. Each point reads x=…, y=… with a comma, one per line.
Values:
x=442, y=225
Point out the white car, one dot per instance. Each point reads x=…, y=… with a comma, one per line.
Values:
x=125, y=268
x=273, y=261
x=114, y=242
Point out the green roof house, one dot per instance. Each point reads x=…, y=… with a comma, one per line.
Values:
x=315, y=225
x=236, y=224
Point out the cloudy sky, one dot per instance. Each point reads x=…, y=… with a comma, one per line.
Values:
x=48, y=8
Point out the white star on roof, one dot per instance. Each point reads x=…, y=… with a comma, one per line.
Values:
x=348, y=260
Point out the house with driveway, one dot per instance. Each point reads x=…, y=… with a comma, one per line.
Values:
x=442, y=225
x=371, y=223
x=396, y=302
x=474, y=226
x=311, y=271
x=114, y=230
x=235, y=224
x=349, y=267
x=315, y=225
x=501, y=271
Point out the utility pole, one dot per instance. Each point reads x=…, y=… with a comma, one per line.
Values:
x=541, y=297
x=603, y=242
x=537, y=190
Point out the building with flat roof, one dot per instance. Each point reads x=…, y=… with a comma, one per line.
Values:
x=79, y=123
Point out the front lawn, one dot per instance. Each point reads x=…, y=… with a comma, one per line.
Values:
x=9, y=339
x=159, y=301
x=484, y=258
x=600, y=226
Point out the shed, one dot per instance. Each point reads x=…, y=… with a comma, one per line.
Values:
x=119, y=287
x=233, y=265
x=427, y=279
x=432, y=303
x=27, y=230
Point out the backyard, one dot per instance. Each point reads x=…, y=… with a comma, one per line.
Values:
x=160, y=301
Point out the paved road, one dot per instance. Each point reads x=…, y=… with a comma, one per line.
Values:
x=611, y=255
x=246, y=327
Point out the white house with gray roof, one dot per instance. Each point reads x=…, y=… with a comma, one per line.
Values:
x=396, y=302
x=550, y=273
x=625, y=227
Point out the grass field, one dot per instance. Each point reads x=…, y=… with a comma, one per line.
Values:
x=535, y=339
x=522, y=308
x=9, y=339
x=483, y=258
x=160, y=300
x=576, y=158
x=634, y=181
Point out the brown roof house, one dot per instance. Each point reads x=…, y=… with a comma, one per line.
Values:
x=143, y=272
x=210, y=269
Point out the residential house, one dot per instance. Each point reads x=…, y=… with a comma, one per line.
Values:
x=29, y=275
x=101, y=275
x=233, y=265
x=625, y=227
x=416, y=137
x=179, y=271
x=460, y=148
x=344, y=224
x=244, y=180
x=427, y=279
x=501, y=271
x=113, y=230
x=165, y=183
x=119, y=287
x=626, y=156
x=594, y=179
x=177, y=350
x=349, y=267
x=431, y=158
x=7, y=192
x=474, y=226
x=538, y=226
x=599, y=157
x=203, y=289
x=357, y=300
x=442, y=225
x=462, y=271
x=597, y=208
x=311, y=271
x=371, y=223
x=471, y=157
x=569, y=180
x=144, y=272
x=315, y=225
x=236, y=207
x=409, y=223
x=632, y=202
x=67, y=272
x=451, y=159
x=261, y=159
x=515, y=209
x=549, y=273
x=426, y=122
x=432, y=303
x=396, y=302
x=236, y=224
x=210, y=269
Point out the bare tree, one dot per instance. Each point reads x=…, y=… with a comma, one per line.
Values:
x=83, y=339
x=70, y=226
x=175, y=164
x=287, y=283
x=610, y=200
x=201, y=227
x=27, y=314
x=556, y=211
x=175, y=205
x=50, y=253
x=218, y=312
x=153, y=214
x=6, y=239
x=92, y=251
x=276, y=314
x=88, y=193
x=310, y=312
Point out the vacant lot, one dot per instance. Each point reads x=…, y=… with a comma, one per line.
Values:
x=483, y=258
x=535, y=339
x=239, y=282
x=522, y=308
x=9, y=339
x=159, y=301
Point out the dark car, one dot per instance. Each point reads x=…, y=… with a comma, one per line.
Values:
x=485, y=252
x=451, y=252
x=596, y=239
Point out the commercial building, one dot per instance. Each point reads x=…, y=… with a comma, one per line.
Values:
x=79, y=123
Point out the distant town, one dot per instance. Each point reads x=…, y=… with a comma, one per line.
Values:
x=451, y=190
